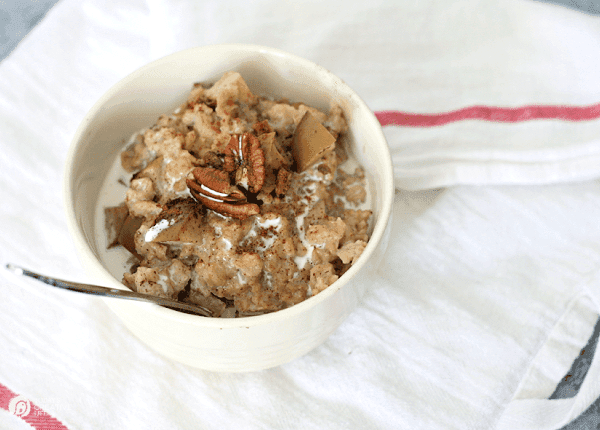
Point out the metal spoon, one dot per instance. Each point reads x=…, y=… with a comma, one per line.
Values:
x=111, y=292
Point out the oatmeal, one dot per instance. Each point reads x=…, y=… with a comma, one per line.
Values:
x=239, y=203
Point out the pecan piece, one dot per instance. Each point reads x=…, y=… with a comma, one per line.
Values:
x=245, y=156
x=233, y=154
x=262, y=127
x=283, y=182
x=212, y=188
x=213, y=184
x=239, y=211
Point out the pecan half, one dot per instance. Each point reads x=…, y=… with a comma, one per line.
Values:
x=245, y=156
x=212, y=188
x=214, y=183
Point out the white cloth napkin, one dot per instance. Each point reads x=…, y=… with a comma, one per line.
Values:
x=434, y=59
x=487, y=293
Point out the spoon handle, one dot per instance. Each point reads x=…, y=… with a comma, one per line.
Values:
x=110, y=292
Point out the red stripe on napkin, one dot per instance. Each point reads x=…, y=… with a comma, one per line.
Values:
x=27, y=411
x=490, y=113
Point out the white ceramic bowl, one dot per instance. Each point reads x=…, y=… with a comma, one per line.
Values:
x=241, y=344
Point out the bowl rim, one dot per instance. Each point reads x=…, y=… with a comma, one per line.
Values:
x=249, y=321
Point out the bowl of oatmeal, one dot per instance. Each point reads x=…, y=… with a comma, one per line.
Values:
x=240, y=179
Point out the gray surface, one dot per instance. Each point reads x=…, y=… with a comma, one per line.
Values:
x=571, y=382
x=591, y=7
x=18, y=17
